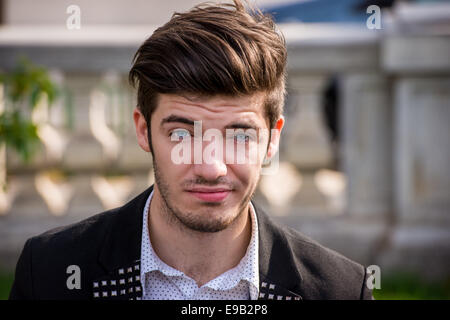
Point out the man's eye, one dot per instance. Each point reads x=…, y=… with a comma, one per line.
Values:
x=242, y=137
x=178, y=134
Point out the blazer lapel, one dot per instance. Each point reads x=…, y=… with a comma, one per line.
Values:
x=278, y=272
x=122, y=283
x=121, y=253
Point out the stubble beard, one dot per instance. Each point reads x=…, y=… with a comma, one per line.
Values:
x=188, y=220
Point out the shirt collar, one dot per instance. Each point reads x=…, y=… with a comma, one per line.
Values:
x=247, y=269
x=149, y=259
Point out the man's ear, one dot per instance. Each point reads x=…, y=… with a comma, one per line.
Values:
x=275, y=137
x=141, y=130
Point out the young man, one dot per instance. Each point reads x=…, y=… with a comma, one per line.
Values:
x=195, y=234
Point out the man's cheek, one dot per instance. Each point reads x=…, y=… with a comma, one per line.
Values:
x=243, y=174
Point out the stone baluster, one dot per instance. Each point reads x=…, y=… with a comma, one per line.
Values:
x=306, y=143
x=366, y=130
x=422, y=156
x=307, y=140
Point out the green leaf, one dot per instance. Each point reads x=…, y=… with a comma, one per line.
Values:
x=19, y=134
x=27, y=83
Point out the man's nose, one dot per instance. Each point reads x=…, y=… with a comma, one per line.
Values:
x=211, y=171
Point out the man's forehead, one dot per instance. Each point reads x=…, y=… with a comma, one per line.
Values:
x=253, y=101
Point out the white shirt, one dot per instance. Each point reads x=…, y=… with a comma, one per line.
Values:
x=162, y=282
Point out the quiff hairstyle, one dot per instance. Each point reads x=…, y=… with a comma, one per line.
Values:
x=213, y=49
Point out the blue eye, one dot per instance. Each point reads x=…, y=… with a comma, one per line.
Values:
x=179, y=133
x=242, y=137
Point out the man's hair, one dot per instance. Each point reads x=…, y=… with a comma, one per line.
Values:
x=213, y=49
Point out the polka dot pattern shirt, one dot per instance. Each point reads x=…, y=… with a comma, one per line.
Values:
x=162, y=282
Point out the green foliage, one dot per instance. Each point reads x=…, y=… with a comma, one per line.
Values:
x=6, y=281
x=24, y=86
x=405, y=286
x=28, y=82
x=18, y=133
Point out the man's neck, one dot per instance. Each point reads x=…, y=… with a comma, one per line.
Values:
x=200, y=255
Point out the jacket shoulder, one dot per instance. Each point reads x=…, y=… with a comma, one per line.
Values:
x=76, y=235
x=42, y=269
x=326, y=274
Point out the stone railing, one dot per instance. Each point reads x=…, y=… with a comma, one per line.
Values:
x=380, y=195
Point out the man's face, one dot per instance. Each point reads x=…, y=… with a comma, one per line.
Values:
x=210, y=195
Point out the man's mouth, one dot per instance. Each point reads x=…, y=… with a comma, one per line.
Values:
x=210, y=194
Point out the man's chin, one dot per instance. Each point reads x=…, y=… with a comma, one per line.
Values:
x=206, y=220
x=207, y=228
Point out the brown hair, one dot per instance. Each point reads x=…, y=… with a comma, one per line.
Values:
x=213, y=49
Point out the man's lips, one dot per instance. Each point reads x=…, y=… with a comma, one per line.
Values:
x=210, y=194
x=208, y=190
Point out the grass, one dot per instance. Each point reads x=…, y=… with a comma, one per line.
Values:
x=393, y=287
x=404, y=286
x=6, y=281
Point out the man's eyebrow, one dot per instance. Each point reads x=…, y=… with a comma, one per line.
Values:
x=177, y=119
x=242, y=125
x=234, y=125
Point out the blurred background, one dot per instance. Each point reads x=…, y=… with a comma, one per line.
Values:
x=364, y=158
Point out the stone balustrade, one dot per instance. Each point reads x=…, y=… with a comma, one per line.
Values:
x=386, y=200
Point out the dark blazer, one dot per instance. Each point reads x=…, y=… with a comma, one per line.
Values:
x=107, y=249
